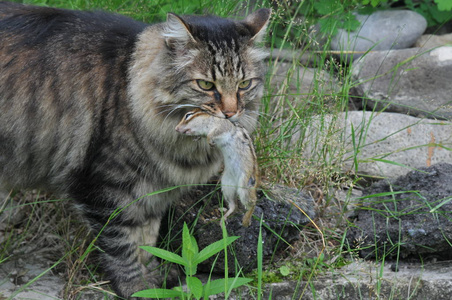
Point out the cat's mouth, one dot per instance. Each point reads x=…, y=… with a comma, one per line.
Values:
x=234, y=117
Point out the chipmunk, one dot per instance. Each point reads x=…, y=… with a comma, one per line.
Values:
x=240, y=175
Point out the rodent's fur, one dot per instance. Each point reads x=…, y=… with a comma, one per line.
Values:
x=240, y=175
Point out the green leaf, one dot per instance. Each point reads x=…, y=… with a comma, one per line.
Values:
x=169, y=256
x=444, y=5
x=189, y=245
x=218, y=286
x=350, y=23
x=326, y=7
x=284, y=270
x=439, y=15
x=214, y=248
x=160, y=293
x=195, y=286
x=260, y=260
x=328, y=25
x=189, y=251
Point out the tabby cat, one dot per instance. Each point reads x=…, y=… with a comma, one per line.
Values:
x=88, y=106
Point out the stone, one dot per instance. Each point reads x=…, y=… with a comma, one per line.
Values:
x=364, y=280
x=409, y=217
x=34, y=277
x=430, y=41
x=381, y=30
x=410, y=81
x=296, y=81
x=386, y=145
x=279, y=206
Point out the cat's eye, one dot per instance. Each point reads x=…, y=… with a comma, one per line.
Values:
x=245, y=84
x=205, y=85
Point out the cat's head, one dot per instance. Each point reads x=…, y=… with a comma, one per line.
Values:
x=217, y=64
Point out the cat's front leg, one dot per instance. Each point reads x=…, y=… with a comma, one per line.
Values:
x=129, y=268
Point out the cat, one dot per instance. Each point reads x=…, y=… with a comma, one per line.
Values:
x=88, y=106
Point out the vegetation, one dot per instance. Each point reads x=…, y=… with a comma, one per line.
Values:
x=288, y=108
x=190, y=259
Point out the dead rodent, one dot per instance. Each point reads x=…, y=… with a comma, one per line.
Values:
x=240, y=175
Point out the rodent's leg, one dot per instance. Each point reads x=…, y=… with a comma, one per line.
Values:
x=231, y=209
x=248, y=197
x=229, y=193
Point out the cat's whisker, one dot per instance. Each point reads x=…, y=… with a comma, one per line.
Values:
x=168, y=107
x=258, y=119
x=172, y=108
x=164, y=111
x=259, y=113
x=187, y=105
x=180, y=106
x=247, y=121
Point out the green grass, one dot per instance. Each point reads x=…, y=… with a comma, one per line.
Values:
x=288, y=110
x=146, y=11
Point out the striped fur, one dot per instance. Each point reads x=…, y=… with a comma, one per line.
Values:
x=89, y=102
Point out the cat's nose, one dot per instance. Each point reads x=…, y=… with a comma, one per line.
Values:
x=229, y=114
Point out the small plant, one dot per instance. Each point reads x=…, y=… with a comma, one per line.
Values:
x=436, y=12
x=191, y=257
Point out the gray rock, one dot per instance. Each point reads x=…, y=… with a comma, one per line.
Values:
x=281, y=216
x=292, y=81
x=430, y=41
x=411, y=81
x=413, y=221
x=367, y=281
x=382, y=30
x=385, y=144
x=16, y=274
x=31, y=276
x=364, y=280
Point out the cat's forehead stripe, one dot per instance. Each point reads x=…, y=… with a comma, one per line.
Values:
x=222, y=32
x=226, y=62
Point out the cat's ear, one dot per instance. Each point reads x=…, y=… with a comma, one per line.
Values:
x=257, y=22
x=177, y=30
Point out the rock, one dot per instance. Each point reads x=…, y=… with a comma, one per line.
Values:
x=430, y=41
x=382, y=30
x=34, y=277
x=280, y=216
x=385, y=144
x=367, y=280
x=364, y=280
x=411, y=81
x=296, y=81
x=18, y=274
x=304, y=58
x=410, y=217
